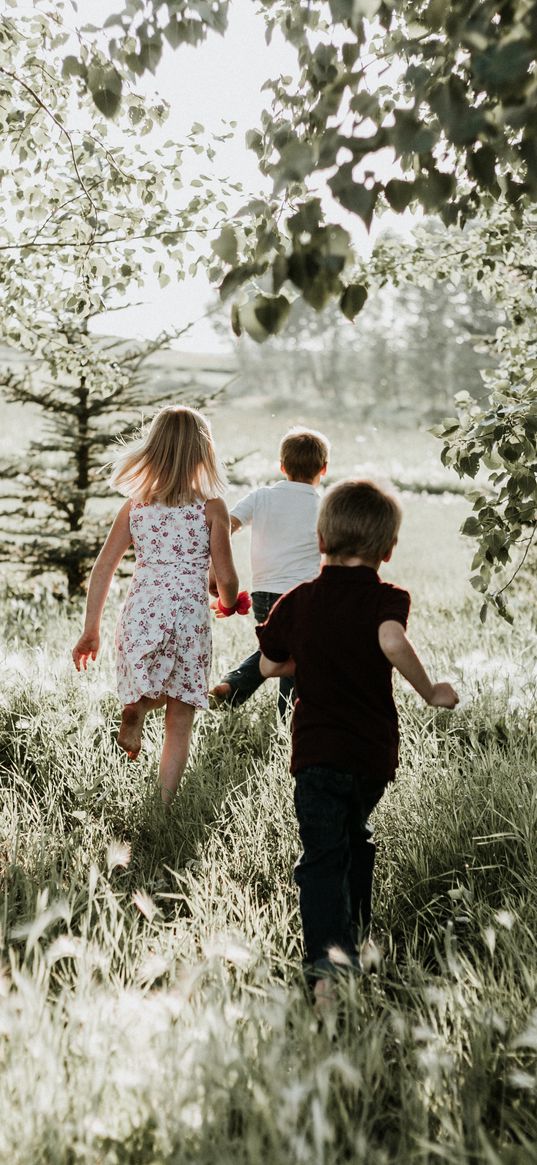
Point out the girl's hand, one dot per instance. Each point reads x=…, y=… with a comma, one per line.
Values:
x=240, y=607
x=86, y=648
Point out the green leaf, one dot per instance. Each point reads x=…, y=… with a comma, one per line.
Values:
x=471, y=527
x=353, y=299
x=503, y=68
x=105, y=85
x=234, y=279
x=353, y=195
x=235, y=320
x=434, y=190
x=263, y=316
x=296, y=161
x=399, y=194
x=341, y=10
x=174, y=32
x=106, y=100
x=72, y=67
x=272, y=312
x=151, y=52
x=307, y=218
x=365, y=103
x=225, y=246
x=254, y=141
x=350, y=51
x=482, y=165
x=410, y=136
x=116, y=19
x=463, y=123
x=280, y=271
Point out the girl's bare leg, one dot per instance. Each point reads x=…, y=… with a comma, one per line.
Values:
x=178, y=730
x=132, y=722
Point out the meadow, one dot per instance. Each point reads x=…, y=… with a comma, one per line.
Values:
x=152, y=1007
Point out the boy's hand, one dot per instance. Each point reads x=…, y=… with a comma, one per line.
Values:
x=443, y=696
x=86, y=648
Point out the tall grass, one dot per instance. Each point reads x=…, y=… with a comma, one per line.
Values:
x=152, y=1003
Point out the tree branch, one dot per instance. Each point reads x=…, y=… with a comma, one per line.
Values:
x=520, y=565
x=105, y=242
x=35, y=97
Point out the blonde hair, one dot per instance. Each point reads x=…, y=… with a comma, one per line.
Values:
x=358, y=519
x=303, y=453
x=174, y=464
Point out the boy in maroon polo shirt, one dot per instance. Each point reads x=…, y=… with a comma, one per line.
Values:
x=340, y=635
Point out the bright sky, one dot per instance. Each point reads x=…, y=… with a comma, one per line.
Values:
x=221, y=79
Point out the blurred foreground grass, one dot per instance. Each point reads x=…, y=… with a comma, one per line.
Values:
x=152, y=1008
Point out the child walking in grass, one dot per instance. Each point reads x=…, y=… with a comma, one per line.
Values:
x=340, y=636
x=285, y=548
x=178, y=523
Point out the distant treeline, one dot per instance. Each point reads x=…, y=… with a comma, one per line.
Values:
x=405, y=356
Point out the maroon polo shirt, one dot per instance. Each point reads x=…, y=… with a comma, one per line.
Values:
x=345, y=716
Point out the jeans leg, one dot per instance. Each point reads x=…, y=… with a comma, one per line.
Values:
x=362, y=861
x=322, y=872
x=245, y=679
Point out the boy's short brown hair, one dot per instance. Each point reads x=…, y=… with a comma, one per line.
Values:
x=303, y=453
x=359, y=519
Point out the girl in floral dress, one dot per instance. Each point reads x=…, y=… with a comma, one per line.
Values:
x=178, y=522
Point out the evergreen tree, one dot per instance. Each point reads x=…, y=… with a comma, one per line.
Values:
x=50, y=514
x=92, y=211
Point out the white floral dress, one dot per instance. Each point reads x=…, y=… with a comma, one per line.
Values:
x=163, y=636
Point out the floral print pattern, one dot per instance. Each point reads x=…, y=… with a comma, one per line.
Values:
x=163, y=636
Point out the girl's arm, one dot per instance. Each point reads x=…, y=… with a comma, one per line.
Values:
x=400, y=652
x=117, y=543
x=213, y=585
x=227, y=581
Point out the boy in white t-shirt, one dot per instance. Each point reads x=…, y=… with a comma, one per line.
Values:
x=285, y=550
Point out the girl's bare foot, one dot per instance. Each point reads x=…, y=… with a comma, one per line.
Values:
x=129, y=736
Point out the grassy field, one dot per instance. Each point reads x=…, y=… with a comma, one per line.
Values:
x=152, y=1010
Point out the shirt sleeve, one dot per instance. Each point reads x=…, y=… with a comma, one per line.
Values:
x=244, y=510
x=274, y=634
x=394, y=604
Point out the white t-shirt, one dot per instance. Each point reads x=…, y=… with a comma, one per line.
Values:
x=285, y=550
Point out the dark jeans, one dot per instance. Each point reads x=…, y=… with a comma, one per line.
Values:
x=245, y=679
x=335, y=872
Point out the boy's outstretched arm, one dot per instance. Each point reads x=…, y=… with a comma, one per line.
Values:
x=269, y=669
x=400, y=652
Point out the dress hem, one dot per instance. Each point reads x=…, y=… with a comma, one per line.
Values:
x=182, y=696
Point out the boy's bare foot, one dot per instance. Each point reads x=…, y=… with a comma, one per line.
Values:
x=220, y=693
x=129, y=736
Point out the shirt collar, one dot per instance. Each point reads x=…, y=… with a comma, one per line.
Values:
x=365, y=573
x=286, y=484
